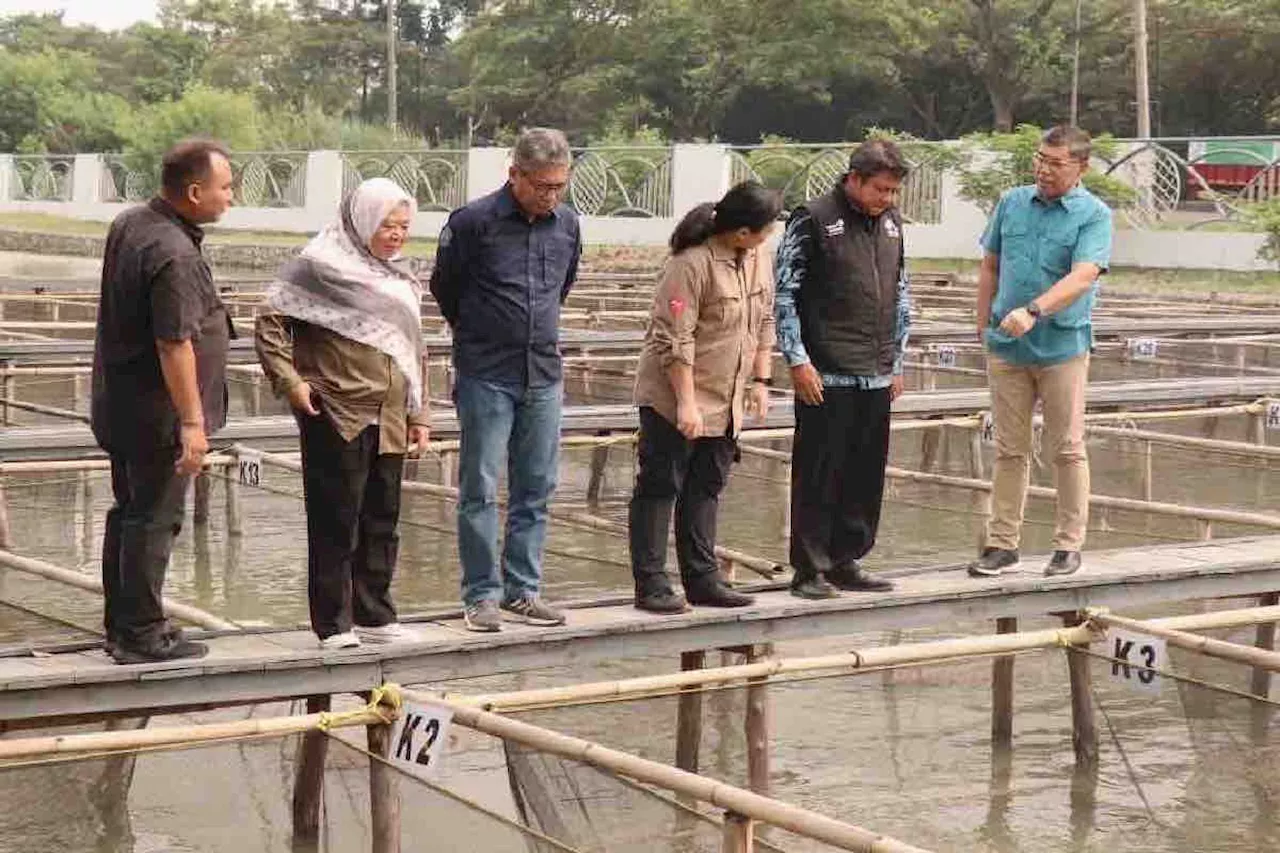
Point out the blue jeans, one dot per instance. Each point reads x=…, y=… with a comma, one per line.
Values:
x=518, y=427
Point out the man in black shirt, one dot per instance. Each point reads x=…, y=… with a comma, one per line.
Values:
x=159, y=389
x=503, y=268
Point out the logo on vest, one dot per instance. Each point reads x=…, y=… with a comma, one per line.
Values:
x=835, y=229
x=891, y=229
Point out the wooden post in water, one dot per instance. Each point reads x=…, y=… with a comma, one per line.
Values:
x=599, y=464
x=448, y=462
x=689, y=715
x=9, y=385
x=200, y=511
x=1266, y=639
x=384, y=793
x=1084, y=729
x=1147, y=476
x=1258, y=427
x=929, y=440
x=759, y=724
x=231, y=477
x=977, y=467
x=6, y=533
x=308, y=776
x=739, y=834
x=1002, y=689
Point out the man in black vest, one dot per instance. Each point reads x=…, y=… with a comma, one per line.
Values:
x=843, y=312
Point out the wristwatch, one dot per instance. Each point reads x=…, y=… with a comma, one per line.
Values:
x=1033, y=309
x=762, y=380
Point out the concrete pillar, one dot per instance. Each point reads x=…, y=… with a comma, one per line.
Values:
x=698, y=173
x=324, y=187
x=6, y=177
x=486, y=170
x=86, y=179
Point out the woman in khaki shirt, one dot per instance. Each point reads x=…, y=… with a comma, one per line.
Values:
x=342, y=340
x=705, y=363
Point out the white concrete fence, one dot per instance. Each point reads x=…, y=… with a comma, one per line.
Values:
x=625, y=195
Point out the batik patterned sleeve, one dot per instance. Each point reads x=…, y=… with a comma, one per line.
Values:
x=789, y=273
x=902, y=324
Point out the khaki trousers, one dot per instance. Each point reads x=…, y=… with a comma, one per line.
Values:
x=1014, y=389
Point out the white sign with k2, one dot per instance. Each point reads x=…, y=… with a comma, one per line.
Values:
x=418, y=737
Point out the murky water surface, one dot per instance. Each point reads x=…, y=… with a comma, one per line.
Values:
x=906, y=753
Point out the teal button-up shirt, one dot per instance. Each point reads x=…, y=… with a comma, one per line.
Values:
x=1038, y=242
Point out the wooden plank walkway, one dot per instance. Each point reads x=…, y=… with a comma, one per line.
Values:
x=259, y=667
x=279, y=432
x=577, y=341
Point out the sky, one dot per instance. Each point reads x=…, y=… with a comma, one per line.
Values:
x=112, y=14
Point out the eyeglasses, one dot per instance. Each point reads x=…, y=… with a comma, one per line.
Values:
x=1038, y=159
x=546, y=187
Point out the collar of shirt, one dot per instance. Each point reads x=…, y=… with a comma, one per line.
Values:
x=507, y=207
x=195, y=232
x=1068, y=200
x=853, y=209
x=725, y=256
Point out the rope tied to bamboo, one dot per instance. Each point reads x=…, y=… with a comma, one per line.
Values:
x=385, y=701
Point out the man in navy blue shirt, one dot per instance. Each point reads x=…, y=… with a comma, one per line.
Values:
x=504, y=266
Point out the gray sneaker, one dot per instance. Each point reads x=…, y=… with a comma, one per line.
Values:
x=483, y=616
x=532, y=611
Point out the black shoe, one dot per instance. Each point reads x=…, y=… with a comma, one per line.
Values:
x=1063, y=563
x=857, y=579
x=992, y=562
x=165, y=650
x=716, y=593
x=660, y=600
x=813, y=588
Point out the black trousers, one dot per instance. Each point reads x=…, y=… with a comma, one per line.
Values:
x=837, y=478
x=137, y=541
x=352, y=497
x=689, y=476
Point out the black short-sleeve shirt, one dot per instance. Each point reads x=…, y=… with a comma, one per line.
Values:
x=155, y=285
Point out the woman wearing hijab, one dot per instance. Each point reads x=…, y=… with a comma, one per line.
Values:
x=341, y=339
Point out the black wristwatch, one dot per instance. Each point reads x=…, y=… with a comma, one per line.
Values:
x=763, y=380
x=1034, y=310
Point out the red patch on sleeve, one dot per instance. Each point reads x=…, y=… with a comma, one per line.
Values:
x=677, y=306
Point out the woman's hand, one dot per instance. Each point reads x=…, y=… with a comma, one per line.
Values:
x=758, y=400
x=689, y=420
x=300, y=399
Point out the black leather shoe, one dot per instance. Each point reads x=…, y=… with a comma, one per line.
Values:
x=992, y=562
x=660, y=600
x=857, y=579
x=813, y=588
x=716, y=593
x=166, y=650
x=1063, y=563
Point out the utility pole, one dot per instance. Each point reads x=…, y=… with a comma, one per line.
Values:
x=1075, y=72
x=1140, y=67
x=392, y=41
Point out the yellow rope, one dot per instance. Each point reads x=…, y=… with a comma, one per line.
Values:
x=385, y=701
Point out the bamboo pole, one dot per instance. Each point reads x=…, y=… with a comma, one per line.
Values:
x=1235, y=448
x=308, y=779
x=188, y=735
x=10, y=403
x=853, y=661
x=1265, y=639
x=689, y=715
x=6, y=532
x=1084, y=729
x=185, y=612
x=384, y=792
x=1264, y=659
x=837, y=833
x=1226, y=516
x=759, y=723
x=1002, y=689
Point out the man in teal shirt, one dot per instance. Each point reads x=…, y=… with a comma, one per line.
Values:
x=1043, y=250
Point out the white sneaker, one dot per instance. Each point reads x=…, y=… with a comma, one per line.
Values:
x=345, y=640
x=392, y=632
